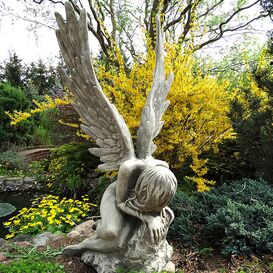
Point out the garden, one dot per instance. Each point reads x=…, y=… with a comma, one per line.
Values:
x=217, y=135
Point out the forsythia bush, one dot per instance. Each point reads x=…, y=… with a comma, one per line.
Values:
x=49, y=103
x=49, y=213
x=196, y=120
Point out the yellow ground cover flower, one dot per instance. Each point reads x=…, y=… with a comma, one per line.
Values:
x=49, y=213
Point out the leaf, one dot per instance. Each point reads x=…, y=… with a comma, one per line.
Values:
x=6, y=209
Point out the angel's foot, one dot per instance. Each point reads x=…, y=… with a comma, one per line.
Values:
x=73, y=250
x=87, y=257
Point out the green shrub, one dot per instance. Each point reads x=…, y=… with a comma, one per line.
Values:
x=30, y=266
x=12, y=98
x=236, y=218
x=69, y=166
x=12, y=164
x=12, y=159
x=38, y=169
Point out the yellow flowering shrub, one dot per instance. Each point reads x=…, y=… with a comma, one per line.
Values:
x=196, y=120
x=49, y=213
x=48, y=103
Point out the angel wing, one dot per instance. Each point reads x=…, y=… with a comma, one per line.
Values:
x=156, y=104
x=101, y=120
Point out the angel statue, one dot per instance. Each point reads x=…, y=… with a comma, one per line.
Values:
x=134, y=214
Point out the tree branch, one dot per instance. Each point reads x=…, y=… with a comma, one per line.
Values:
x=223, y=31
x=177, y=20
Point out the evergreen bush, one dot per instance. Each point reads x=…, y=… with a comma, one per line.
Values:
x=12, y=98
x=235, y=218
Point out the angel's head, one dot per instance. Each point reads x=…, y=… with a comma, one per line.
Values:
x=154, y=189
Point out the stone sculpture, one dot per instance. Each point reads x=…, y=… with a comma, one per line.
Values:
x=134, y=214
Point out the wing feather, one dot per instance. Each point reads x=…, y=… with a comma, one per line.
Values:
x=101, y=120
x=156, y=104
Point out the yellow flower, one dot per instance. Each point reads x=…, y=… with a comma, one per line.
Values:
x=7, y=224
x=9, y=236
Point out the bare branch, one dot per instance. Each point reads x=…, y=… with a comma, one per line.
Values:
x=211, y=9
x=223, y=31
x=29, y=20
x=52, y=1
x=178, y=20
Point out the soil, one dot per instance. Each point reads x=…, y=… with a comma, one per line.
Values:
x=185, y=260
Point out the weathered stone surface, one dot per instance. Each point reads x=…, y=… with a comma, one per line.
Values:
x=42, y=239
x=55, y=238
x=3, y=257
x=84, y=230
x=19, y=184
x=140, y=254
x=24, y=244
x=170, y=267
x=134, y=213
x=2, y=243
x=22, y=238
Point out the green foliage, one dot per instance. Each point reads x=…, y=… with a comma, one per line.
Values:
x=19, y=252
x=12, y=159
x=29, y=260
x=40, y=77
x=249, y=154
x=13, y=71
x=51, y=131
x=97, y=192
x=12, y=98
x=236, y=218
x=12, y=164
x=48, y=132
x=38, y=169
x=69, y=167
x=30, y=266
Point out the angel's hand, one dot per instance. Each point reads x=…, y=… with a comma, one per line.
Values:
x=156, y=228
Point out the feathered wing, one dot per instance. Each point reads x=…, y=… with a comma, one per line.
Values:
x=101, y=120
x=156, y=104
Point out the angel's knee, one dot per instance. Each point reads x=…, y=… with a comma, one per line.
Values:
x=109, y=233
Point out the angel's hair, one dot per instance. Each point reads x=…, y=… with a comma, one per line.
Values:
x=154, y=189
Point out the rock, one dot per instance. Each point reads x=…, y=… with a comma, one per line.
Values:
x=24, y=244
x=42, y=239
x=3, y=257
x=56, y=237
x=93, y=174
x=170, y=267
x=84, y=230
x=2, y=243
x=30, y=180
x=19, y=184
x=139, y=255
x=23, y=238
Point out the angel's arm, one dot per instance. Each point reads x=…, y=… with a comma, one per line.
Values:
x=129, y=172
x=153, y=220
x=127, y=176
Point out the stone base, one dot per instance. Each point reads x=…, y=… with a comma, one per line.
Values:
x=140, y=255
